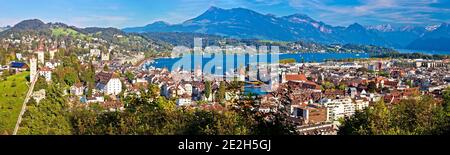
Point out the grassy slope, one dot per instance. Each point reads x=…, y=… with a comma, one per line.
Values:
x=69, y=32
x=10, y=106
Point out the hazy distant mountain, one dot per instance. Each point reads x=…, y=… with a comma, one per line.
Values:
x=240, y=23
x=358, y=34
x=183, y=39
x=432, y=27
x=4, y=28
x=399, y=37
x=160, y=25
x=437, y=39
x=247, y=24
x=382, y=28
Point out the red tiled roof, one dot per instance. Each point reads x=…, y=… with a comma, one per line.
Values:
x=78, y=85
x=45, y=69
x=104, y=77
x=295, y=77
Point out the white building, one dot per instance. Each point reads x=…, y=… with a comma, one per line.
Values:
x=46, y=73
x=95, y=52
x=351, y=65
x=184, y=100
x=264, y=109
x=339, y=108
x=361, y=104
x=51, y=64
x=19, y=56
x=77, y=89
x=108, y=83
x=105, y=56
x=187, y=89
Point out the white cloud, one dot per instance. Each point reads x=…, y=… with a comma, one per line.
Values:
x=369, y=11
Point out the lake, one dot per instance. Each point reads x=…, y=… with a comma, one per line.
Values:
x=226, y=62
x=222, y=66
x=424, y=52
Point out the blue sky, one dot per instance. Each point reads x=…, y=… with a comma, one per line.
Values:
x=128, y=13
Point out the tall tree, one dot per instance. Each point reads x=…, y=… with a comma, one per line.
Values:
x=221, y=92
x=423, y=116
x=105, y=68
x=207, y=89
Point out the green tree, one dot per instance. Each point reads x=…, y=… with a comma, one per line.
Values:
x=154, y=90
x=40, y=84
x=423, y=116
x=6, y=73
x=446, y=96
x=208, y=89
x=71, y=78
x=371, y=121
x=130, y=76
x=288, y=61
x=419, y=116
x=342, y=87
x=279, y=125
x=328, y=85
x=215, y=123
x=221, y=92
x=106, y=68
x=372, y=87
x=50, y=117
x=410, y=83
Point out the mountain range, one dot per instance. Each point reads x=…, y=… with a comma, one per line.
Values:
x=3, y=28
x=247, y=24
x=61, y=31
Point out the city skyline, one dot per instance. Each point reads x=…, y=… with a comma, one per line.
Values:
x=121, y=14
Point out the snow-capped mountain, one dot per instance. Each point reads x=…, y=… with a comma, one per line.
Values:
x=382, y=28
x=247, y=24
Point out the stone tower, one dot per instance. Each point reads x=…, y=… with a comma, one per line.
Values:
x=33, y=68
x=41, y=57
x=40, y=52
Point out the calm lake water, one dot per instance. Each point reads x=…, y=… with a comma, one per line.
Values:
x=231, y=62
x=424, y=52
x=228, y=63
x=225, y=63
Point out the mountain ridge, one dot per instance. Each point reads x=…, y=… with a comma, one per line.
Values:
x=248, y=24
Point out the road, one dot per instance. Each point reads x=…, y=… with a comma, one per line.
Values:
x=24, y=105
